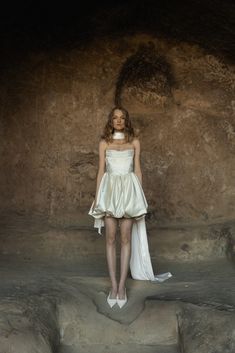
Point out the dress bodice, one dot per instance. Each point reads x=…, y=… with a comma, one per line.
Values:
x=119, y=162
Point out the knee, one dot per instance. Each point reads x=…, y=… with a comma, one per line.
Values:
x=110, y=240
x=125, y=240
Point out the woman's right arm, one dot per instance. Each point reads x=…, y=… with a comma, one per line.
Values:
x=101, y=170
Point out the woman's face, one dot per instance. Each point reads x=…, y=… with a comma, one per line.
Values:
x=118, y=120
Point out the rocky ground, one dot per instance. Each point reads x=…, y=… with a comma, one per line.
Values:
x=56, y=305
x=171, y=64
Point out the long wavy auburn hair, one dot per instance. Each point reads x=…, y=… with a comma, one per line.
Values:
x=109, y=129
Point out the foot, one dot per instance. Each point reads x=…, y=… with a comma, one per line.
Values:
x=122, y=301
x=112, y=297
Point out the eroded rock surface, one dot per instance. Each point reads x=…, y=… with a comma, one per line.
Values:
x=46, y=309
x=174, y=71
x=55, y=302
x=206, y=330
x=181, y=99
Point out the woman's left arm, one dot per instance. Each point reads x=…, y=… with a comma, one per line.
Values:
x=137, y=168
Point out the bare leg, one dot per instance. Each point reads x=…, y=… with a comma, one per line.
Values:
x=125, y=229
x=110, y=232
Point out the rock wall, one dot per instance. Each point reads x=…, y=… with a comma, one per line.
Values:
x=181, y=99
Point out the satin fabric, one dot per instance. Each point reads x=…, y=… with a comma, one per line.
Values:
x=140, y=262
x=120, y=194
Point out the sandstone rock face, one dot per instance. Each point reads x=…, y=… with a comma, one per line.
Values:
x=172, y=67
x=28, y=325
x=180, y=98
x=198, y=326
x=32, y=239
x=55, y=310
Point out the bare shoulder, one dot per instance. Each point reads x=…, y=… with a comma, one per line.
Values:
x=102, y=144
x=136, y=142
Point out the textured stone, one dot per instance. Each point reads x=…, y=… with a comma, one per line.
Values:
x=56, y=105
x=36, y=239
x=27, y=325
x=46, y=308
x=206, y=330
x=172, y=67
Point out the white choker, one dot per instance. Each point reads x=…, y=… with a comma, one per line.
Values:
x=118, y=135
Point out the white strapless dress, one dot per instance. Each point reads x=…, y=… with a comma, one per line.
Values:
x=120, y=195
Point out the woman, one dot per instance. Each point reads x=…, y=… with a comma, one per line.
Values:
x=120, y=200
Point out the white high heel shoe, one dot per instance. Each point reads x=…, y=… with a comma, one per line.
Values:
x=122, y=302
x=110, y=301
